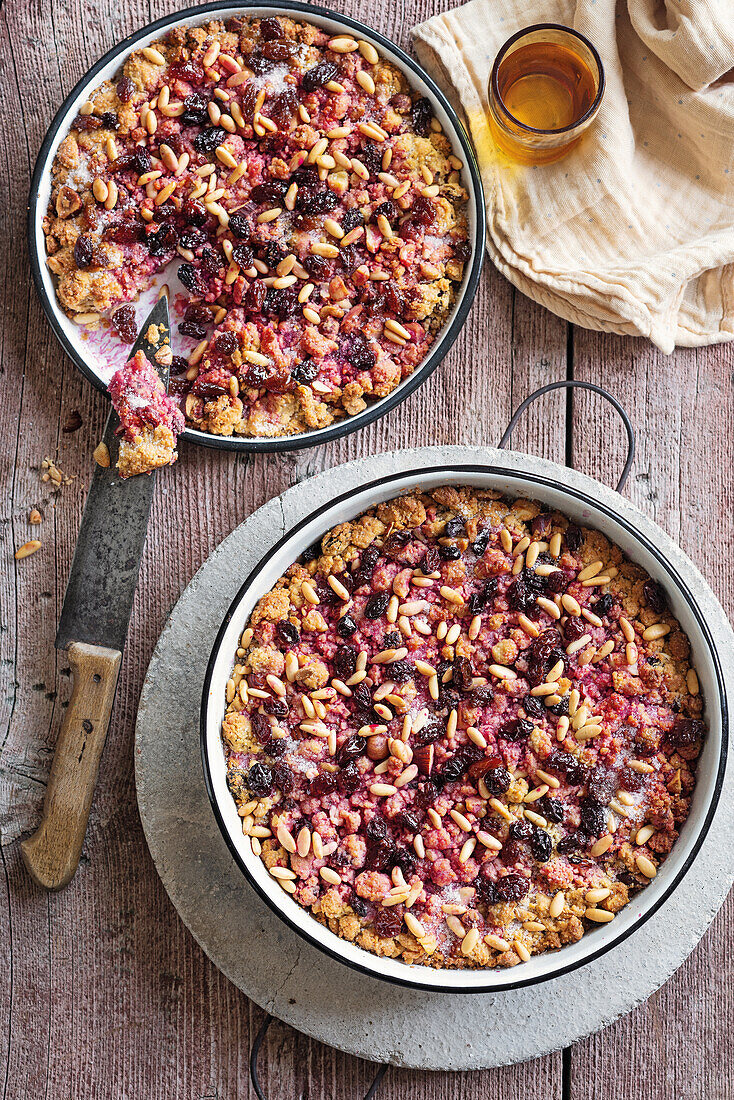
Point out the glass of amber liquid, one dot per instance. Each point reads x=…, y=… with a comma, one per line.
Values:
x=545, y=90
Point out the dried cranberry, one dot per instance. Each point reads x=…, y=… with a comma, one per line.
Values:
x=686, y=732
x=603, y=605
x=322, y=784
x=573, y=537
x=124, y=89
x=346, y=626
x=319, y=75
x=83, y=251
x=550, y=808
x=655, y=596
x=593, y=819
x=463, y=673
x=423, y=211
x=462, y=251
x=574, y=628
x=498, y=780
x=512, y=887
x=260, y=779
x=388, y=923
x=188, y=70
x=516, y=729
x=376, y=606
x=123, y=322
x=206, y=141
x=421, y=115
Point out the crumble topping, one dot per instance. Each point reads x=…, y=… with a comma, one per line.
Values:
x=312, y=204
x=462, y=730
x=149, y=420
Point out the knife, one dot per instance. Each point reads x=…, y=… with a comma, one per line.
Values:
x=92, y=629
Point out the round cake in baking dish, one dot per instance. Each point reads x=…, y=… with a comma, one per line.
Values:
x=309, y=201
x=462, y=730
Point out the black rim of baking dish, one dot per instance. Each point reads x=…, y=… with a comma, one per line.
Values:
x=468, y=287
x=669, y=570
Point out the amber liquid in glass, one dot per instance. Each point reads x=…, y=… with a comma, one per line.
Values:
x=546, y=85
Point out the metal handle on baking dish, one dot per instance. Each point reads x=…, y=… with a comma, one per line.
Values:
x=254, y=1077
x=571, y=383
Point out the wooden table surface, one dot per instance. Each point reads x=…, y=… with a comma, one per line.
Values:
x=104, y=993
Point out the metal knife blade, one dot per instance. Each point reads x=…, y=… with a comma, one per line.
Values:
x=104, y=572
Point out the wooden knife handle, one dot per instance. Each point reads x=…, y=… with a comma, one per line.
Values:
x=52, y=853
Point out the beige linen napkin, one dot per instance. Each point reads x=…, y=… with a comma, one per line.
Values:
x=633, y=232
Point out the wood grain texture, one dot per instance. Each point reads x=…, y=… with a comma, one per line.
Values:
x=103, y=991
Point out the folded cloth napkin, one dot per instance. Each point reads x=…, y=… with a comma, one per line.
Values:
x=633, y=231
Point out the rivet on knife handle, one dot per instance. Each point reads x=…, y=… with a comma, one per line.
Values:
x=52, y=853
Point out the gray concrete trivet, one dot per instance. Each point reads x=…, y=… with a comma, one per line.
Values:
x=269, y=962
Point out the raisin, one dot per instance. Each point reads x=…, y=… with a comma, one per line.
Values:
x=376, y=606
x=629, y=780
x=519, y=597
x=190, y=278
x=352, y=219
x=254, y=299
x=601, y=785
x=125, y=89
x=283, y=106
x=322, y=784
x=346, y=626
x=462, y=251
x=482, y=695
x=603, y=605
x=550, y=808
x=463, y=673
x=271, y=192
x=226, y=343
x=283, y=778
x=686, y=732
x=449, y=553
x=275, y=747
x=304, y=372
x=348, y=780
x=498, y=780
x=279, y=49
x=83, y=251
x=421, y=115
x=405, y=860
x=572, y=842
x=386, y=209
x=574, y=629
x=240, y=228
x=655, y=597
x=261, y=728
x=511, y=887
x=259, y=65
x=270, y=28
x=452, y=770
x=401, y=672
x=310, y=201
x=123, y=322
x=573, y=537
x=423, y=211
x=556, y=582
x=541, y=845
x=317, y=266
x=260, y=779
x=481, y=542
x=206, y=141
x=516, y=729
x=480, y=599
x=593, y=820
x=533, y=706
x=353, y=747
x=319, y=75
x=195, y=110
x=362, y=697
x=283, y=303
x=345, y=661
